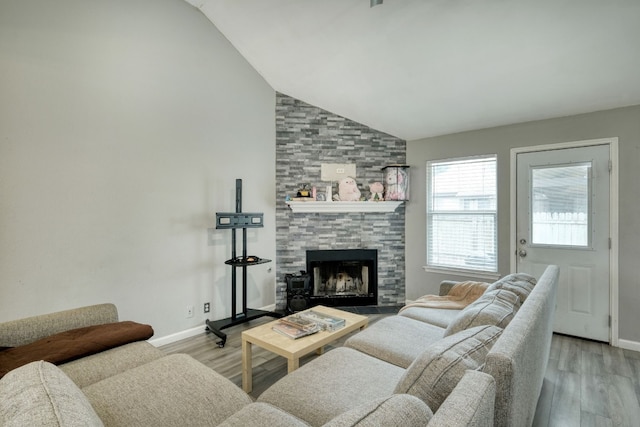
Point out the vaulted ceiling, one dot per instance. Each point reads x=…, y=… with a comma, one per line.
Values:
x=420, y=68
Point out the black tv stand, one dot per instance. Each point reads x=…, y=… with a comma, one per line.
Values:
x=234, y=221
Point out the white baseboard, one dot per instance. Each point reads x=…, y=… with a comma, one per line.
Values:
x=629, y=345
x=168, y=339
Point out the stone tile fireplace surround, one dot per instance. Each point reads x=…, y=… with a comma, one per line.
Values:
x=306, y=137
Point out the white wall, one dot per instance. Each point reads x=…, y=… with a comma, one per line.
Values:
x=623, y=123
x=123, y=126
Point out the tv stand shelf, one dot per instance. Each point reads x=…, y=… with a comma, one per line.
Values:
x=251, y=260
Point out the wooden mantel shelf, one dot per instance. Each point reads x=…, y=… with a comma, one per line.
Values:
x=338, y=207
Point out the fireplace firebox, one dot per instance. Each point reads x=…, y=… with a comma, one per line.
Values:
x=343, y=277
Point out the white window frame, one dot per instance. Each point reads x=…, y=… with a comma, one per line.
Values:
x=461, y=270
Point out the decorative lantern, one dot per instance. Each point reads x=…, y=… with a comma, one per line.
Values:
x=396, y=182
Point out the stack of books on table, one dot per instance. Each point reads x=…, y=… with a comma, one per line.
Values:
x=296, y=326
x=325, y=321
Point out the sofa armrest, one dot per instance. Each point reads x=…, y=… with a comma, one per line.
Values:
x=40, y=394
x=398, y=409
x=471, y=403
x=445, y=286
x=24, y=331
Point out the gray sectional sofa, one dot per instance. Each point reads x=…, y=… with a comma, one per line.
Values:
x=484, y=368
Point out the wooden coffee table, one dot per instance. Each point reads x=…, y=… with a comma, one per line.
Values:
x=263, y=336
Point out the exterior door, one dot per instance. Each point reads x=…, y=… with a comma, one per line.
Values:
x=562, y=218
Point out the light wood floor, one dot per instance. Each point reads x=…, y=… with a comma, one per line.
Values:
x=586, y=384
x=589, y=384
x=227, y=361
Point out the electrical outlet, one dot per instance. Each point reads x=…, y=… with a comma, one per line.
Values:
x=207, y=307
x=189, y=311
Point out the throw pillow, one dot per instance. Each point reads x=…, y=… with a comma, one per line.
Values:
x=41, y=394
x=520, y=284
x=493, y=308
x=436, y=372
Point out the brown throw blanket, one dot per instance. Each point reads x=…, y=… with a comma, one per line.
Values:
x=74, y=344
x=461, y=295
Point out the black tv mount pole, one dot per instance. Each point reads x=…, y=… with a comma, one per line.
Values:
x=234, y=221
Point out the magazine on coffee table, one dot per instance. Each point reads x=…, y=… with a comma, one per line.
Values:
x=300, y=322
x=326, y=321
x=293, y=331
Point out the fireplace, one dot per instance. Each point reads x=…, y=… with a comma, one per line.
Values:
x=343, y=277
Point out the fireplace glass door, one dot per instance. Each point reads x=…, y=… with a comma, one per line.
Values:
x=343, y=277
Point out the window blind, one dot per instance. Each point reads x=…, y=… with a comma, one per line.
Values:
x=462, y=214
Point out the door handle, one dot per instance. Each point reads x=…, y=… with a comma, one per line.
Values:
x=522, y=253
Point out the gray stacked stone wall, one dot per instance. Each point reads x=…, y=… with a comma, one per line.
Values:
x=306, y=137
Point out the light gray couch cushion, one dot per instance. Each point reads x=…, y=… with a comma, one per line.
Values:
x=438, y=369
x=396, y=339
x=440, y=317
x=91, y=369
x=397, y=410
x=262, y=414
x=174, y=390
x=493, y=308
x=40, y=394
x=520, y=284
x=341, y=380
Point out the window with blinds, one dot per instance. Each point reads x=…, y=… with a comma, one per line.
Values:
x=462, y=214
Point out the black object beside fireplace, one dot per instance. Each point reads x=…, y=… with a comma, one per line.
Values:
x=343, y=277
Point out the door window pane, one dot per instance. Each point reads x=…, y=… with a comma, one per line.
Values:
x=560, y=205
